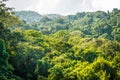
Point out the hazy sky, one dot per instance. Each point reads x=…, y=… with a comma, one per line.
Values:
x=63, y=6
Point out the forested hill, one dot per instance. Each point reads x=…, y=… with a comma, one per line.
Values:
x=85, y=46
x=28, y=16
x=93, y=24
x=32, y=16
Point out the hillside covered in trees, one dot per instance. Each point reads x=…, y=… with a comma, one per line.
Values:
x=84, y=46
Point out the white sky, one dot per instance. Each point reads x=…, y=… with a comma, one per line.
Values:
x=63, y=7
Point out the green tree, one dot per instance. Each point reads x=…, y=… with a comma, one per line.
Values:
x=5, y=69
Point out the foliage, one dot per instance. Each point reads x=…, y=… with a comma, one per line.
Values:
x=85, y=46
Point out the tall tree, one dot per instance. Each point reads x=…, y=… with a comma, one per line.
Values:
x=7, y=19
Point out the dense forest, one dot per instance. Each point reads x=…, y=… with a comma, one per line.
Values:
x=84, y=46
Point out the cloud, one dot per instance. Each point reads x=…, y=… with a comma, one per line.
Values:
x=52, y=6
x=73, y=6
x=63, y=6
x=21, y=4
x=105, y=4
x=47, y=6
